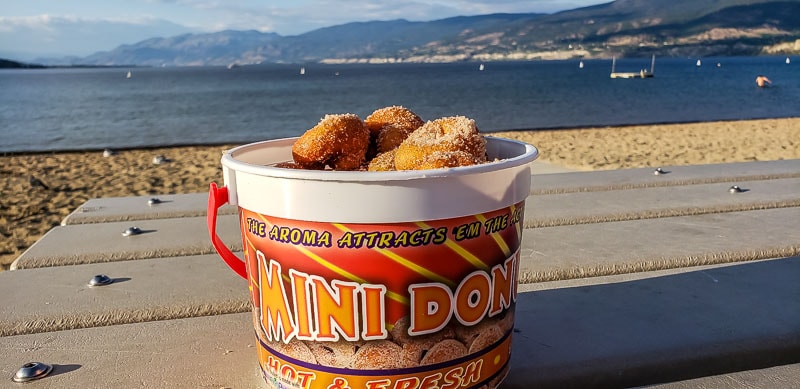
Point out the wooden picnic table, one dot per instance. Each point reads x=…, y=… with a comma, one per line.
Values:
x=628, y=278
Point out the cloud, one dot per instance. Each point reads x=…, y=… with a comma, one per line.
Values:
x=297, y=17
x=292, y=18
x=51, y=35
x=45, y=35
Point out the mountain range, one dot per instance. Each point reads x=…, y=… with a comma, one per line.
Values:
x=619, y=28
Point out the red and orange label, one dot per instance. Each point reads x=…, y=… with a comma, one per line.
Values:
x=405, y=305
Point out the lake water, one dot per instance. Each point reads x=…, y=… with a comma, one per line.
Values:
x=81, y=109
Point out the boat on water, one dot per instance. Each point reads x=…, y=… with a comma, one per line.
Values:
x=129, y=75
x=302, y=70
x=580, y=65
x=480, y=67
x=643, y=73
x=788, y=61
x=699, y=63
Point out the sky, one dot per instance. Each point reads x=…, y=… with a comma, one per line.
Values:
x=31, y=29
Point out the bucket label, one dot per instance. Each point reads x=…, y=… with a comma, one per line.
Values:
x=427, y=304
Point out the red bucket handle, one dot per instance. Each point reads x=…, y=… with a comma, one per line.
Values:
x=217, y=197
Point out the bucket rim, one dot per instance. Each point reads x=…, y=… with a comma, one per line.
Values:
x=230, y=161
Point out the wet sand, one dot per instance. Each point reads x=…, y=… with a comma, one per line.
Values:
x=28, y=210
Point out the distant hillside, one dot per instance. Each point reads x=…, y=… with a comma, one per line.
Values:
x=9, y=64
x=637, y=27
x=220, y=48
x=619, y=28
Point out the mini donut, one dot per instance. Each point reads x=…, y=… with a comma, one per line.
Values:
x=446, y=142
x=391, y=136
x=295, y=349
x=397, y=115
x=444, y=351
x=467, y=334
x=339, y=141
x=379, y=354
x=383, y=162
x=445, y=159
x=399, y=333
x=416, y=347
x=388, y=127
x=506, y=323
x=334, y=354
x=486, y=338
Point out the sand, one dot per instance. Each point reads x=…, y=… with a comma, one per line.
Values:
x=29, y=210
x=607, y=148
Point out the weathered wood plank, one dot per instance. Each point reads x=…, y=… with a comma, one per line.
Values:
x=676, y=176
x=59, y=298
x=646, y=203
x=204, y=352
x=622, y=332
x=104, y=242
x=549, y=253
x=662, y=329
x=117, y=209
x=588, y=250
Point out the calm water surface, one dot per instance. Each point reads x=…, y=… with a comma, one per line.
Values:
x=78, y=109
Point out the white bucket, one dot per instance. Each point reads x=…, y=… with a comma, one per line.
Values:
x=378, y=279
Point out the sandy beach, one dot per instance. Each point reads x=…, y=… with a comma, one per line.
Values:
x=40, y=189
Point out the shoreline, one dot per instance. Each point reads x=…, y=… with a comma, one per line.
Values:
x=10, y=153
x=71, y=177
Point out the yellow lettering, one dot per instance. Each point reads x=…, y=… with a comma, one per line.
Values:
x=406, y=383
x=452, y=379
x=430, y=308
x=301, y=378
x=336, y=309
x=472, y=373
x=479, y=294
x=373, y=313
x=502, y=286
x=472, y=298
x=431, y=381
x=275, y=312
x=302, y=305
x=305, y=378
x=378, y=384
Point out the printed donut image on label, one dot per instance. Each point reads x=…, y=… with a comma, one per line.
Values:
x=396, y=305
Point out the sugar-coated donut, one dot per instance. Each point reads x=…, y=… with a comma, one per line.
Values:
x=390, y=136
x=339, y=141
x=447, y=142
x=378, y=354
x=397, y=115
x=336, y=354
x=295, y=349
x=485, y=338
x=383, y=162
x=444, y=351
x=388, y=127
